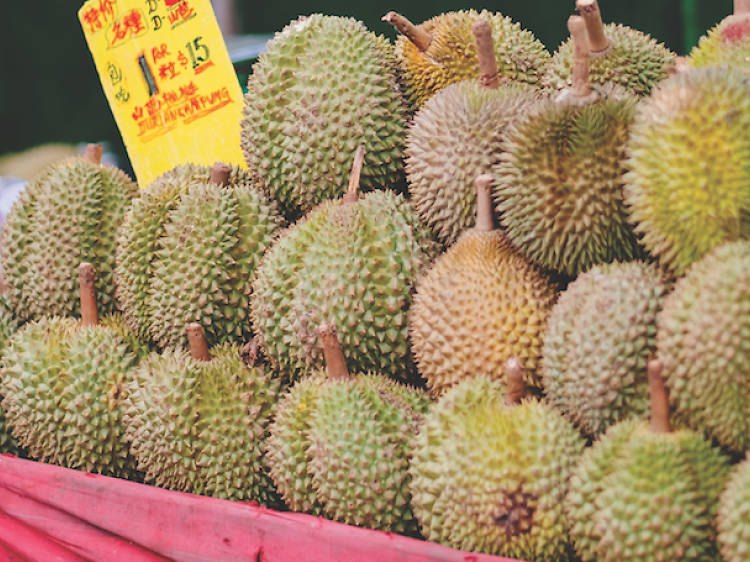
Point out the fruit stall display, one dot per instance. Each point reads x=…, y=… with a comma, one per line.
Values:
x=466, y=300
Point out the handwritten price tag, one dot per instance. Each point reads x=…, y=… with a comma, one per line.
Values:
x=168, y=78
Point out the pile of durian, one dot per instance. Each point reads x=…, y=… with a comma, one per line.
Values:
x=463, y=290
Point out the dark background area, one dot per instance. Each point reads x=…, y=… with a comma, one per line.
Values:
x=50, y=92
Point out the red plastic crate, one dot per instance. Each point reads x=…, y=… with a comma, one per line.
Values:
x=49, y=513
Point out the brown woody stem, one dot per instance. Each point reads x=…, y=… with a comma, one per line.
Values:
x=485, y=212
x=334, y=356
x=93, y=154
x=598, y=41
x=581, y=86
x=741, y=7
x=197, y=342
x=659, y=398
x=515, y=388
x=86, y=282
x=419, y=37
x=352, y=191
x=486, y=54
x=220, y=173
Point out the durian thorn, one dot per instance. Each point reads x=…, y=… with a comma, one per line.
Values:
x=352, y=191
x=87, y=288
x=677, y=65
x=598, y=41
x=659, y=398
x=485, y=212
x=741, y=7
x=334, y=356
x=581, y=85
x=197, y=342
x=93, y=154
x=486, y=54
x=421, y=39
x=220, y=173
x=515, y=387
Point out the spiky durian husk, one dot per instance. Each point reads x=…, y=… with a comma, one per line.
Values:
x=492, y=478
x=188, y=250
x=454, y=137
x=479, y=304
x=636, y=62
x=324, y=86
x=559, y=183
x=360, y=434
x=452, y=55
x=64, y=387
x=703, y=343
x=599, y=337
x=641, y=496
x=734, y=514
x=728, y=43
x=352, y=265
x=199, y=426
x=68, y=215
x=8, y=326
x=688, y=185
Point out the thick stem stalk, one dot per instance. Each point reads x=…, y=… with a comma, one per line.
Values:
x=485, y=211
x=334, y=356
x=486, y=53
x=419, y=37
x=220, y=173
x=598, y=41
x=93, y=154
x=515, y=388
x=581, y=85
x=197, y=342
x=352, y=191
x=659, y=398
x=86, y=284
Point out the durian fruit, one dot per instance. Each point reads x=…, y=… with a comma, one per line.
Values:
x=559, y=181
x=457, y=135
x=479, y=304
x=688, y=185
x=196, y=421
x=8, y=326
x=63, y=385
x=69, y=214
x=728, y=43
x=187, y=252
x=646, y=493
x=441, y=51
x=340, y=444
x=490, y=475
x=324, y=86
x=703, y=340
x=352, y=263
x=734, y=516
x=620, y=55
x=599, y=336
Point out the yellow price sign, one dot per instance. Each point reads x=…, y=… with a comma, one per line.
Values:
x=168, y=78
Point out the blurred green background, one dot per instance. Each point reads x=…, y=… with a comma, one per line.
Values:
x=50, y=92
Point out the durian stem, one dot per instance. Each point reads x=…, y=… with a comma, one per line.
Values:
x=659, y=398
x=598, y=41
x=420, y=38
x=486, y=53
x=741, y=7
x=86, y=281
x=334, y=356
x=515, y=388
x=220, y=174
x=250, y=352
x=352, y=191
x=197, y=342
x=485, y=212
x=93, y=154
x=581, y=85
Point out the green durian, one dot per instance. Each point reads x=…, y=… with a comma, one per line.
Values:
x=352, y=263
x=455, y=136
x=600, y=335
x=559, y=188
x=69, y=214
x=8, y=326
x=324, y=86
x=734, y=515
x=620, y=56
x=646, y=493
x=479, y=304
x=490, y=475
x=441, y=51
x=727, y=43
x=688, y=185
x=196, y=422
x=187, y=252
x=340, y=444
x=703, y=340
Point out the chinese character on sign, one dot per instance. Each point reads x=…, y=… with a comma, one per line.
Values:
x=131, y=25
